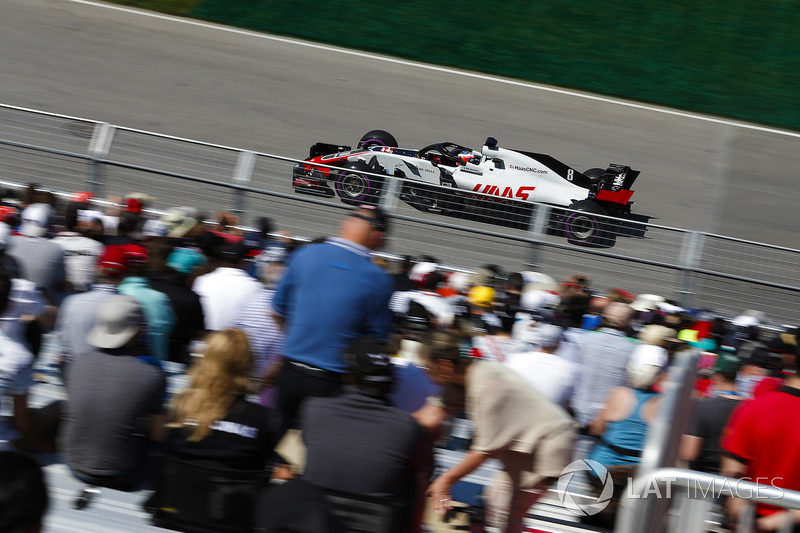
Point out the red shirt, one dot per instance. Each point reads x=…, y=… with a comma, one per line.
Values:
x=764, y=434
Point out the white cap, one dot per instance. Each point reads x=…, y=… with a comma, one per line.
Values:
x=36, y=220
x=646, y=363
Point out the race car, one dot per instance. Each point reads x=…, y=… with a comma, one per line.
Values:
x=453, y=179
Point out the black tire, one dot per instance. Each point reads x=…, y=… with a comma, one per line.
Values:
x=355, y=186
x=377, y=138
x=582, y=227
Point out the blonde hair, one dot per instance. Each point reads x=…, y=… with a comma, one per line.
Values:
x=217, y=379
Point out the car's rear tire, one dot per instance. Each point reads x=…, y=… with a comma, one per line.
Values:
x=377, y=138
x=582, y=227
x=355, y=186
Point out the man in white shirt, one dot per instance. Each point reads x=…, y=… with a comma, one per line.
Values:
x=548, y=373
x=80, y=252
x=224, y=290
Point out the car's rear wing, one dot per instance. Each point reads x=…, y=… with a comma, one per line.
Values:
x=615, y=184
x=618, y=177
x=319, y=149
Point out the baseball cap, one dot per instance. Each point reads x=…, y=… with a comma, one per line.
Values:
x=481, y=296
x=179, y=222
x=112, y=261
x=646, y=363
x=726, y=363
x=646, y=302
x=36, y=220
x=116, y=259
x=82, y=197
x=185, y=260
x=656, y=334
x=119, y=318
x=545, y=335
x=368, y=359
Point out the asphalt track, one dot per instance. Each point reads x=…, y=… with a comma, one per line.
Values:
x=274, y=95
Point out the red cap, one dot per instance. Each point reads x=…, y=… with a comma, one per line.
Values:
x=6, y=212
x=116, y=259
x=113, y=261
x=82, y=197
x=134, y=205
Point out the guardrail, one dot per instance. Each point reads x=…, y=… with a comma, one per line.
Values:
x=695, y=269
x=698, y=489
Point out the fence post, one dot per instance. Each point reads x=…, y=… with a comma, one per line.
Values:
x=99, y=148
x=540, y=216
x=389, y=194
x=643, y=513
x=691, y=257
x=242, y=176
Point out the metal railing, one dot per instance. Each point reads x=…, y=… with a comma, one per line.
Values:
x=698, y=489
x=695, y=269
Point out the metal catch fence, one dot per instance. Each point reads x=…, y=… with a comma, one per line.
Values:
x=462, y=229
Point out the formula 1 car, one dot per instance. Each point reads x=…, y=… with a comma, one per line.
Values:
x=450, y=178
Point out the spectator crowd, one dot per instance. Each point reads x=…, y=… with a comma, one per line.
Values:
x=313, y=370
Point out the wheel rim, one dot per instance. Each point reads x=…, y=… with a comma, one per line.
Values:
x=582, y=227
x=373, y=142
x=353, y=186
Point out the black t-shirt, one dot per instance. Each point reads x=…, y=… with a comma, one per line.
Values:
x=188, y=311
x=356, y=443
x=243, y=440
x=709, y=418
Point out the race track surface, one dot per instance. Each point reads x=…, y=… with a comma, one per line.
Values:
x=278, y=96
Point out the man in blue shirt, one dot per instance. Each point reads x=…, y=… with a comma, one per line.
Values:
x=331, y=294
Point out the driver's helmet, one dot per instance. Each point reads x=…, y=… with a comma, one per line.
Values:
x=466, y=157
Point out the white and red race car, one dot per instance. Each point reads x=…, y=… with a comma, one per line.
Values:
x=452, y=179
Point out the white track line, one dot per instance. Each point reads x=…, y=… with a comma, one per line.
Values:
x=435, y=68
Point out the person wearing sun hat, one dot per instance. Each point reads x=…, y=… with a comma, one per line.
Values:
x=110, y=390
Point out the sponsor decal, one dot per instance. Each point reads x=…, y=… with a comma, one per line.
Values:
x=521, y=193
x=528, y=169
